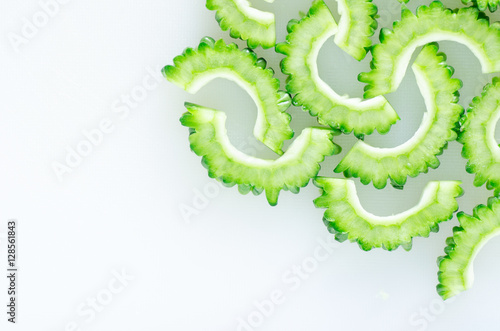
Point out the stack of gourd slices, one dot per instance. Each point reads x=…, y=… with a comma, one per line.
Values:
x=443, y=121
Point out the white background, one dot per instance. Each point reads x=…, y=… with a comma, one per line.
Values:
x=119, y=208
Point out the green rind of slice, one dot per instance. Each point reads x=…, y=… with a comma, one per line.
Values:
x=478, y=137
x=456, y=267
x=356, y=26
x=305, y=39
x=492, y=5
x=291, y=171
x=482, y=5
x=245, y=22
x=391, y=57
x=216, y=59
x=346, y=218
x=417, y=155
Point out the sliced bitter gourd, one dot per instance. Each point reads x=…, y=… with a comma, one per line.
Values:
x=346, y=218
x=478, y=137
x=484, y=4
x=304, y=41
x=456, y=267
x=415, y=156
x=216, y=59
x=356, y=26
x=291, y=171
x=245, y=22
x=431, y=23
x=481, y=4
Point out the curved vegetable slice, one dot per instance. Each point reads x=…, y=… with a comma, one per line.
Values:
x=484, y=4
x=431, y=23
x=346, y=218
x=245, y=22
x=305, y=39
x=456, y=267
x=216, y=59
x=480, y=4
x=415, y=156
x=478, y=137
x=356, y=26
x=291, y=171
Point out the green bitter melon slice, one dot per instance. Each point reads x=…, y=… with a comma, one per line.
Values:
x=291, y=171
x=431, y=23
x=478, y=137
x=245, y=22
x=347, y=219
x=416, y=155
x=456, y=267
x=357, y=25
x=492, y=5
x=301, y=49
x=216, y=59
x=482, y=5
